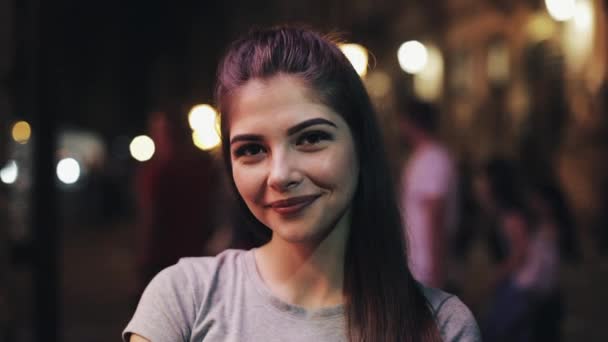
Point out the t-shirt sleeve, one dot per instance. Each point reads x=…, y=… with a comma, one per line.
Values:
x=165, y=311
x=456, y=322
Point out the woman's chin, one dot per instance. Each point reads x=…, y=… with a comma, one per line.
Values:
x=304, y=237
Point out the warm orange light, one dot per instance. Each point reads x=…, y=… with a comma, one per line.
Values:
x=21, y=132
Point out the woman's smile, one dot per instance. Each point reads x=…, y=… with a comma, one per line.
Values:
x=293, y=205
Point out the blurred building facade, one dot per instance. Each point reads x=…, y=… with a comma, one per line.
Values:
x=522, y=84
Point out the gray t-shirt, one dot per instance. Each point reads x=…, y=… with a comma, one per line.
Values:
x=223, y=298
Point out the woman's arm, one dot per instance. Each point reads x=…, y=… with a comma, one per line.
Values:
x=166, y=308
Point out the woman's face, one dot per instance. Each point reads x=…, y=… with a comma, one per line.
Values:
x=293, y=159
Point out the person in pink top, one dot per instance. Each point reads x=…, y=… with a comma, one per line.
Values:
x=429, y=196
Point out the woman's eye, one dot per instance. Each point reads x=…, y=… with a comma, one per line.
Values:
x=248, y=150
x=313, y=138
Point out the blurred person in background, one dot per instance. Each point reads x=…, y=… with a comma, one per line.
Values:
x=429, y=197
x=178, y=198
x=553, y=240
x=529, y=254
x=305, y=155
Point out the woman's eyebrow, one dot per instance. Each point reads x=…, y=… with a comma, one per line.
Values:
x=292, y=130
x=304, y=124
x=245, y=137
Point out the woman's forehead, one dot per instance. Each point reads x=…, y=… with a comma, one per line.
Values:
x=274, y=88
x=267, y=103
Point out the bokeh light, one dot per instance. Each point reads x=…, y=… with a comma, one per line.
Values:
x=9, y=173
x=561, y=10
x=68, y=170
x=205, y=141
x=21, y=132
x=378, y=83
x=583, y=16
x=498, y=62
x=358, y=57
x=412, y=56
x=142, y=148
x=428, y=82
x=202, y=117
x=578, y=36
x=540, y=27
x=204, y=121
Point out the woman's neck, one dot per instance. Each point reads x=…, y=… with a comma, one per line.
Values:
x=309, y=275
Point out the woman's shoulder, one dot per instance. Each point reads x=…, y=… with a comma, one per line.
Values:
x=197, y=270
x=225, y=261
x=171, y=302
x=454, y=319
x=196, y=274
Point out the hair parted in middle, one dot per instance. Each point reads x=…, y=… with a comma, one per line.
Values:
x=383, y=301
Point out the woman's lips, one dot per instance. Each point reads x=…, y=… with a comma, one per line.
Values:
x=292, y=205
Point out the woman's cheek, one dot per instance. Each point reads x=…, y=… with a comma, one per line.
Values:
x=336, y=169
x=248, y=181
x=345, y=164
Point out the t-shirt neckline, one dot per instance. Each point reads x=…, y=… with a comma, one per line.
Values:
x=294, y=311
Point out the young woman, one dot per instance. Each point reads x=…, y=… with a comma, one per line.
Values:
x=303, y=149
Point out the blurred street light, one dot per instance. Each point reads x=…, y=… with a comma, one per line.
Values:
x=578, y=36
x=204, y=121
x=358, y=57
x=583, y=16
x=540, y=27
x=205, y=141
x=561, y=10
x=428, y=82
x=68, y=170
x=9, y=173
x=21, y=132
x=412, y=56
x=202, y=117
x=142, y=148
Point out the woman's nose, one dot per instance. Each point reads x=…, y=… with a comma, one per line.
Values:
x=284, y=174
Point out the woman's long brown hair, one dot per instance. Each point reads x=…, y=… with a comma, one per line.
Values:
x=383, y=301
